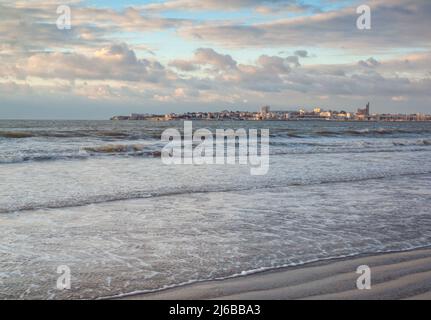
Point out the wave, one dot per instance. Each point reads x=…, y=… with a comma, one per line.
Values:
x=15, y=134
x=119, y=148
x=287, y=135
x=371, y=132
x=155, y=133
x=343, y=132
x=426, y=142
x=83, y=153
x=34, y=134
x=123, y=149
x=135, y=195
x=81, y=134
x=154, y=151
x=41, y=158
x=423, y=142
x=346, y=151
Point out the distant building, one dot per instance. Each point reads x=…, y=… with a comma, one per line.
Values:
x=266, y=114
x=325, y=114
x=343, y=115
x=265, y=110
x=364, y=114
x=121, y=118
x=137, y=116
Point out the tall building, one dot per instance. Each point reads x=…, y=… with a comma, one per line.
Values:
x=364, y=114
x=265, y=109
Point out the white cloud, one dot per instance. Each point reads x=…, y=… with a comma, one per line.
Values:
x=263, y=6
x=116, y=62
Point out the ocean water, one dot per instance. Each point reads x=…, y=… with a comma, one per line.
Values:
x=96, y=197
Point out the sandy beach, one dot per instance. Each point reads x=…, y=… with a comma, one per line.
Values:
x=399, y=275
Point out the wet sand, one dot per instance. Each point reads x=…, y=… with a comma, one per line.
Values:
x=398, y=275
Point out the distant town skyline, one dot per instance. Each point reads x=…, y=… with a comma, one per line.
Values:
x=176, y=56
x=265, y=113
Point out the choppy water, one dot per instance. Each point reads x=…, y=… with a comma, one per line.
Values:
x=96, y=197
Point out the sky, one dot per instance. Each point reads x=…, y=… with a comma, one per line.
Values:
x=162, y=56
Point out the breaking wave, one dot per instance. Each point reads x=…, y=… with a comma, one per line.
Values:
x=423, y=142
x=138, y=194
x=119, y=148
x=83, y=153
x=80, y=134
x=146, y=133
x=371, y=132
x=16, y=134
x=277, y=147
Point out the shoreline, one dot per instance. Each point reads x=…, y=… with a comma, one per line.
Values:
x=394, y=275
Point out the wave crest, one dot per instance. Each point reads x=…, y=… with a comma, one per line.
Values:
x=15, y=134
x=115, y=148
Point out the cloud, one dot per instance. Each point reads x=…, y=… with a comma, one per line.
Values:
x=277, y=64
x=395, y=24
x=31, y=25
x=399, y=98
x=225, y=72
x=370, y=63
x=209, y=56
x=184, y=65
x=301, y=53
x=285, y=74
x=106, y=54
x=205, y=57
x=116, y=62
x=262, y=6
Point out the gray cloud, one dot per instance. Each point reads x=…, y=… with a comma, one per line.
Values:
x=301, y=53
x=369, y=63
x=263, y=6
x=205, y=57
x=395, y=24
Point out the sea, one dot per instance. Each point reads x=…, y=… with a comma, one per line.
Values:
x=94, y=197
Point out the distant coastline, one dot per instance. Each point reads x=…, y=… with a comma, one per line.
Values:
x=161, y=118
x=265, y=114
